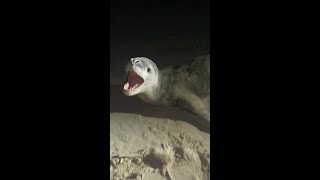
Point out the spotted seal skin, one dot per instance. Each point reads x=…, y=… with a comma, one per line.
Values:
x=186, y=87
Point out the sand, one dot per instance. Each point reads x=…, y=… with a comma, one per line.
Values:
x=156, y=148
x=155, y=142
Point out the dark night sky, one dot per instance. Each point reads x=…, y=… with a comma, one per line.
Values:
x=168, y=33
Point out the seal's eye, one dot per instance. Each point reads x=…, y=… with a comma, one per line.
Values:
x=148, y=69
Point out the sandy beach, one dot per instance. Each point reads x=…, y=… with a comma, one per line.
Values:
x=156, y=142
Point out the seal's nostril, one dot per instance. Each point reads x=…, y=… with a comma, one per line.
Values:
x=137, y=61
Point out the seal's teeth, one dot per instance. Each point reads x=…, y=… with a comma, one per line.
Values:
x=134, y=87
x=126, y=86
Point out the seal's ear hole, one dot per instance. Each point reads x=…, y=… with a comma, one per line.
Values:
x=148, y=69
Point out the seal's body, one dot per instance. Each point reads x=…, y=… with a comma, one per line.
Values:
x=186, y=87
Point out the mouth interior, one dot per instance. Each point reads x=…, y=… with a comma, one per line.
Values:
x=133, y=81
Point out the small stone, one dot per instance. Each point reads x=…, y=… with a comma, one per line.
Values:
x=121, y=160
x=115, y=161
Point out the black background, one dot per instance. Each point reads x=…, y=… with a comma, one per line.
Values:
x=169, y=33
x=55, y=71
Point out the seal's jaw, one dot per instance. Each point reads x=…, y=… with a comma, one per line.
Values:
x=132, y=85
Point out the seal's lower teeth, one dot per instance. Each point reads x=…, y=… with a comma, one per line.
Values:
x=134, y=87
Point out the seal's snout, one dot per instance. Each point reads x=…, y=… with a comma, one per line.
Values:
x=130, y=65
x=134, y=61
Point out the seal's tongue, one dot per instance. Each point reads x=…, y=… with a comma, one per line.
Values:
x=126, y=86
x=132, y=80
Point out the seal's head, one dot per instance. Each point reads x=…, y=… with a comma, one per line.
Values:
x=142, y=76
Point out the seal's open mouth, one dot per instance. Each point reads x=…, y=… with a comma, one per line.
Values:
x=133, y=81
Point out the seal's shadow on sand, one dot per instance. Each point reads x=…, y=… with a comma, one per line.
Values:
x=121, y=103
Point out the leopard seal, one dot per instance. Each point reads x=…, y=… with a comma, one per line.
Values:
x=186, y=87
